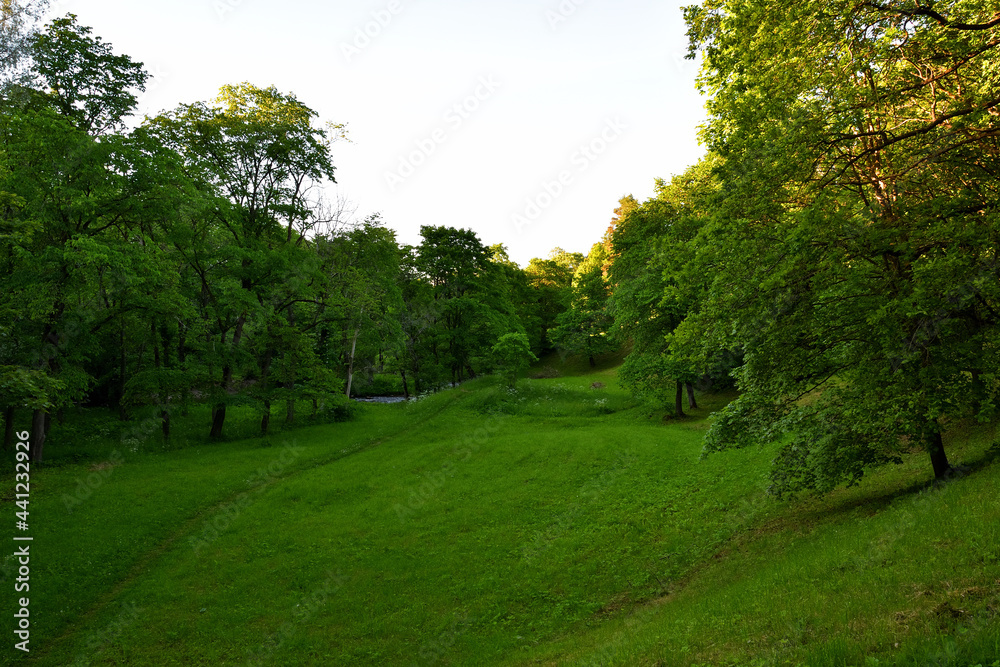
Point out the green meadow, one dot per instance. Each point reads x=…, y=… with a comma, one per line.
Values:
x=564, y=523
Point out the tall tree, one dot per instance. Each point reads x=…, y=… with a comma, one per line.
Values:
x=552, y=280
x=76, y=209
x=854, y=247
x=470, y=313
x=653, y=288
x=362, y=265
x=585, y=327
x=261, y=150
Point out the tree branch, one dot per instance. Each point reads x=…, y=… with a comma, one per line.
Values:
x=938, y=18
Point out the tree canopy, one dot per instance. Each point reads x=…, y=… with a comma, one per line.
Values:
x=853, y=244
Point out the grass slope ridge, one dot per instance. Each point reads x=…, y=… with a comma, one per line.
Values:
x=559, y=524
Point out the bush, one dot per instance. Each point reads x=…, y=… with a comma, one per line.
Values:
x=513, y=354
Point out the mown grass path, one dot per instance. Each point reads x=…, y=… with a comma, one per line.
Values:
x=285, y=460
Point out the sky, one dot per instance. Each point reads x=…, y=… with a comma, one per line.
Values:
x=525, y=121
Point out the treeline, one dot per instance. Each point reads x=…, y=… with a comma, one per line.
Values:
x=838, y=246
x=835, y=254
x=193, y=258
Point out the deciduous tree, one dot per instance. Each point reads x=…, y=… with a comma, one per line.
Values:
x=854, y=250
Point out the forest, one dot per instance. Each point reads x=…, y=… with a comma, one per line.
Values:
x=756, y=423
x=195, y=258
x=834, y=251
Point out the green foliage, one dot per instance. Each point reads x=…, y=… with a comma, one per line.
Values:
x=653, y=377
x=257, y=279
x=656, y=288
x=363, y=273
x=84, y=80
x=35, y=390
x=466, y=304
x=78, y=241
x=606, y=541
x=551, y=281
x=850, y=249
x=513, y=355
x=584, y=327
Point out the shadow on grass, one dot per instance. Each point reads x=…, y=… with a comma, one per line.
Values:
x=817, y=509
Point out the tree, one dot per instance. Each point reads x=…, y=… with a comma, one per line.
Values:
x=584, y=327
x=853, y=249
x=86, y=81
x=513, y=354
x=552, y=281
x=363, y=268
x=259, y=149
x=18, y=20
x=513, y=286
x=654, y=288
x=421, y=335
x=70, y=226
x=471, y=308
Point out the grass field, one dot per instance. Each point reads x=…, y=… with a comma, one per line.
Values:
x=561, y=524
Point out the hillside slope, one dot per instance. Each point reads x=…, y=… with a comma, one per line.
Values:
x=561, y=524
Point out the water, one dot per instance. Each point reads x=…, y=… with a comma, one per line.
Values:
x=381, y=399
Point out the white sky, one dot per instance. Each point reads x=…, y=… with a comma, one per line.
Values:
x=561, y=75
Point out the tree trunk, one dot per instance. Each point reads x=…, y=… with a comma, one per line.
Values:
x=977, y=385
x=181, y=342
x=122, y=370
x=186, y=392
x=265, y=419
x=219, y=413
x=692, y=403
x=8, y=427
x=935, y=447
x=38, y=434
x=218, y=420
x=679, y=402
x=162, y=397
x=406, y=388
x=350, y=362
x=265, y=376
x=593, y=363
x=290, y=384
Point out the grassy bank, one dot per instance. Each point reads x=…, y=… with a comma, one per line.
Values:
x=561, y=524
